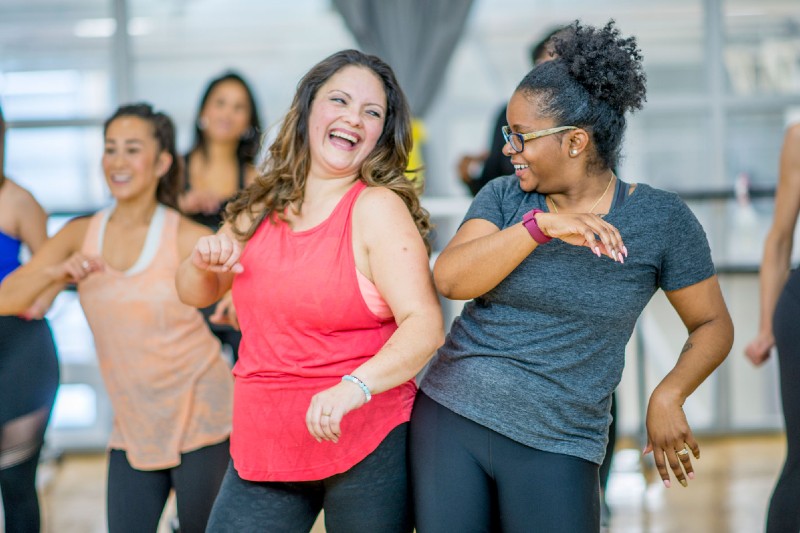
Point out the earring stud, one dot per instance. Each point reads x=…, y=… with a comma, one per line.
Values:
x=573, y=152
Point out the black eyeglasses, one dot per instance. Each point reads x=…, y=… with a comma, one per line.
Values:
x=517, y=140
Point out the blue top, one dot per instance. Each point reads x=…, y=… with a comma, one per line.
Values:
x=9, y=254
x=537, y=358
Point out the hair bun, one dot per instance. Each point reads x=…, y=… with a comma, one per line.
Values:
x=607, y=65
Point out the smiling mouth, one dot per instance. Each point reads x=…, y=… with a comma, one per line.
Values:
x=520, y=167
x=120, y=178
x=352, y=139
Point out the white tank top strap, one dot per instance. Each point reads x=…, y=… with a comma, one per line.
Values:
x=151, y=242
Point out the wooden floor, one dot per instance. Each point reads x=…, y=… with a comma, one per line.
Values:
x=729, y=495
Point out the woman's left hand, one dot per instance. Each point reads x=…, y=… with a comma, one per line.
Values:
x=324, y=415
x=670, y=438
x=225, y=313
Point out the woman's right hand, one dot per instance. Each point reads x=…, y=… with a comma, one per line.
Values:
x=759, y=348
x=218, y=253
x=582, y=229
x=77, y=268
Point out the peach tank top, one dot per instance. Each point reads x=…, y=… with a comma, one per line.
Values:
x=170, y=389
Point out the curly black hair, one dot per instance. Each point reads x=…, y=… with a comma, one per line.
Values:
x=595, y=78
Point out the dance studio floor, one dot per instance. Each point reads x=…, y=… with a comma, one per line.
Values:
x=729, y=495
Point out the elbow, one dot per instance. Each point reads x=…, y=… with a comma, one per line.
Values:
x=447, y=284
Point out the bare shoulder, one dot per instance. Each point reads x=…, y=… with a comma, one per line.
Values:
x=190, y=229
x=793, y=134
x=22, y=199
x=189, y=232
x=379, y=203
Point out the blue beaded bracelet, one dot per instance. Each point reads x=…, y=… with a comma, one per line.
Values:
x=353, y=379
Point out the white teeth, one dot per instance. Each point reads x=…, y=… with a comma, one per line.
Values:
x=520, y=167
x=344, y=136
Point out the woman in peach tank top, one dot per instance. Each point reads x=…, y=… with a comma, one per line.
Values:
x=327, y=259
x=169, y=386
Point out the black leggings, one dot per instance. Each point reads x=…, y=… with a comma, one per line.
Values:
x=28, y=383
x=784, y=511
x=371, y=497
x=468, y=478
x=136, y=498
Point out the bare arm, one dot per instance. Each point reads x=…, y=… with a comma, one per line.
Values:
x=57, y=262
x=705, y=315
x=397, y=263
x=480, y=255
x=208, y=266
x=778, y=246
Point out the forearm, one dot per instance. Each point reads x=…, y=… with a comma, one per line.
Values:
x=405, y=353
x=705, y=349
x=20, y=289
x=473, y=268
x=198, y=288
x=772, y=278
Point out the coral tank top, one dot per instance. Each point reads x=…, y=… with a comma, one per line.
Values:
x=305, y=324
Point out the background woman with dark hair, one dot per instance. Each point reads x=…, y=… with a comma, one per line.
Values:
x=169, y=387
x=559, y=260
x=227, y=136
x=28, y=364
x=326, y=256
x=221, y=161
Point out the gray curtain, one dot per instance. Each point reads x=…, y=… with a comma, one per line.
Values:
x=416, y=37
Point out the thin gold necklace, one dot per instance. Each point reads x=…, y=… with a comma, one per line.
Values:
x=555, y=209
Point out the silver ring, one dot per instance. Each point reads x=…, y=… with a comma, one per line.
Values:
x=85, y=265
x=682, y=452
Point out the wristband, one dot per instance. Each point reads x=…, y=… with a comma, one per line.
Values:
x=361, y=384
x=529, y=221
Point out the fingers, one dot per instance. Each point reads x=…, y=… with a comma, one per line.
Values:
x=218, y=253
x=79, y=266
x=677, y=460
x=610, y=239
x=324, y=422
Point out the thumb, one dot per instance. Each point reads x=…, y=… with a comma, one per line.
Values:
x=648, y=448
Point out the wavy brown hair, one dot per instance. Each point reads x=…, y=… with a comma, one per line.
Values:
x=282, y=179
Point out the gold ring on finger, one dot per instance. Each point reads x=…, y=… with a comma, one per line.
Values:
x=682, y=453
x=326, y=414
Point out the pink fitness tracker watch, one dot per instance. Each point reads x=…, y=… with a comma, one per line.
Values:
x=529, y=221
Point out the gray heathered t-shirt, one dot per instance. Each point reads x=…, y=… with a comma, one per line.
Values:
x=537, y=358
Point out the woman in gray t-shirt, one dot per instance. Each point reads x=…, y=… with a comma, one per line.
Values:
x=559, y=260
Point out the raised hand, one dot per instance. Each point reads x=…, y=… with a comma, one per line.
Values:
x=218, y=253
x=583, y=229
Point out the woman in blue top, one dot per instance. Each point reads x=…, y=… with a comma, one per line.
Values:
x=559, y=261
x=28, y=366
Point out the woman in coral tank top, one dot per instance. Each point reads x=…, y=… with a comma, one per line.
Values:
x=169, y=386
x=328, y=264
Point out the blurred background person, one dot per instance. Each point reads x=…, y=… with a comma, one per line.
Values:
x=169, y=386
x=778, y=320
x=227, y=135
x=28, y=364
x=476, y=170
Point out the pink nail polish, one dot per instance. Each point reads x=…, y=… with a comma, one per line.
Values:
x=667, y=483
x=621, y=259
x=597, y=251
x=691, y=475
x=625, y=250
